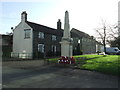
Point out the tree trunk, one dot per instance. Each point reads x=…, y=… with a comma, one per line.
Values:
x=104, y=43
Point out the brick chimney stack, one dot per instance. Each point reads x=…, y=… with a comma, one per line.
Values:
x=24, y=16
x=59, y=24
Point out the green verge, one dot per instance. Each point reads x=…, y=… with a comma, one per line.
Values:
x=109, y=64
x=53, y=60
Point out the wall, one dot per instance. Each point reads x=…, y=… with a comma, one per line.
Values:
x=6, y=45
x=88, y=45
x=48, y=42
x=20, y=44
x=77, y=47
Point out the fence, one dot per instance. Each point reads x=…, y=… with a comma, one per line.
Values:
x=22, y=55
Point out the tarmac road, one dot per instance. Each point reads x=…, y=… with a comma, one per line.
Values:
x=52, y=76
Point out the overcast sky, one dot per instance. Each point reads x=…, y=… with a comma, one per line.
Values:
x=84, y=15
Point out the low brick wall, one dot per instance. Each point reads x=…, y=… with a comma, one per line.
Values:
x=25, y=64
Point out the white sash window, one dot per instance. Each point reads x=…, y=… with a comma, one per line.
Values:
x=41, y=35
x=27, y=33
x=41, y=48
x=54, y=37
x=54, y=48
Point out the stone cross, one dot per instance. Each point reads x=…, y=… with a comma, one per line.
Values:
x=66, y=42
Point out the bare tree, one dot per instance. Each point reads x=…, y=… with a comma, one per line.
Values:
x=112, y=32
x=102, y=34
x=106, y=34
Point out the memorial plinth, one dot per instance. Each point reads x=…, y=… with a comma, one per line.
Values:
x=66, y=42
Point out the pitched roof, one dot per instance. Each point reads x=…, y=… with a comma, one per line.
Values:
x=42, y=28
x=49, y=30
x=78, y=33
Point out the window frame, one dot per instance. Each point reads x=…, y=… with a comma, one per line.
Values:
x=54, y=48
x=41, y=48
x=27, y=34
x=41, y=35
x=54, y=37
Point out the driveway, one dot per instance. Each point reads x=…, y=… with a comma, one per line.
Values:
x=34, y=74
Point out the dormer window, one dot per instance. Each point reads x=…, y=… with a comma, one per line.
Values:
x=54, y=37
x=41, y=35
x=27, y=33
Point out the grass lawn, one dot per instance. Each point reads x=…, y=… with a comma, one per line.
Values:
x=109, y=64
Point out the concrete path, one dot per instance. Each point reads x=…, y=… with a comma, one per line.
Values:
x=52, y=76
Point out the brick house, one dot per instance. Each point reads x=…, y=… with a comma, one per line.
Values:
x=32, y=40
x=6, y=45
x=83, y=42
x=45, y=40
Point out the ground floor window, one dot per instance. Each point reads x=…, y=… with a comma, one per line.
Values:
x=41, y=48
x=54, y=48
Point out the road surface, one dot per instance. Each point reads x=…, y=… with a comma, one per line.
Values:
x=34, y=74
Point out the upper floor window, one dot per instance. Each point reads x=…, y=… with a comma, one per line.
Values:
x=41, y=35
x=54, y=37
x=27, y=33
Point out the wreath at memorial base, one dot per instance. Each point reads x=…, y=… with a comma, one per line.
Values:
x=66, y=60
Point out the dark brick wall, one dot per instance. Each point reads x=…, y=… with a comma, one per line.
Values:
x=7, y=41
x=48, y=42
x=84, y=47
